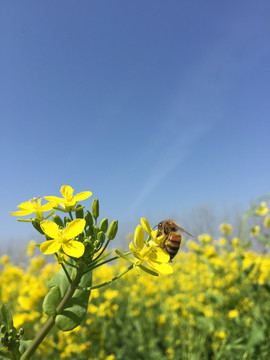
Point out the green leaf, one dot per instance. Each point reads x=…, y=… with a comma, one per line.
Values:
x=76, y=308
x=6, y=317
x=24, y=344
x=51, y=301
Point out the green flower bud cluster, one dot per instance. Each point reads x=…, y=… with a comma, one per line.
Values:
x=10, y=338
x=96, y=233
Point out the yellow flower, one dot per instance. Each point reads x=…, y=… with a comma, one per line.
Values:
x=262, y=209
x=33, y=205
x=161, y=319
x=235, y=242
x=110, y=357
x=205, y=238
x=220, y=334
x=68, y=200
x=233, y=313
x=222, y=241
x=61, y=239
x=4, y=259
x=226, y=229
x=156, y=257
x=266, y=222
x=31, y=248
x=254, y=231
x=193, y=246
x=210, y=251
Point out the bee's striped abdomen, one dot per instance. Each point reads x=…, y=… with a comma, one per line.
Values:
x=173, y=244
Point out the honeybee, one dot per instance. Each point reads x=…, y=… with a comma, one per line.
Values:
x=172, y=239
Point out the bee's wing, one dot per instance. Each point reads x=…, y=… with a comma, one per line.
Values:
x=183, y=230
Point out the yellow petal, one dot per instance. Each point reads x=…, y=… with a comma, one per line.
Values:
x=163, y=268
x=139, y=237
x=146, y=226
x=134, y=251
x=54, y=199
x=22, y=212
x=82, y=195
x=50, y=247
x=74, y=228
x=27, y=205
x=73, y=248
x=50, y=228
x=67, y=192
x=47, y=207
x=159, y=255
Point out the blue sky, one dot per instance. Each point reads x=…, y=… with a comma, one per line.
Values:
x=156, y=106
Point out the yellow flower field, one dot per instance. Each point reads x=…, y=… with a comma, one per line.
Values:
x=210, y=301
x=215, y=305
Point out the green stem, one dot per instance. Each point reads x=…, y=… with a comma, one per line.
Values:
x=109, y=281
x=70, y=214
x=38, y=339
x=106, y=261
x=67, y=274
x=51, y=320
x=104, y=248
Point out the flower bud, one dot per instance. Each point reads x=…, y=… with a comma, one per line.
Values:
x=66, y=220
x=112, y=230
x=101, y=237
x=96, y=244
x=21, y=331
x=89, y=247
x=36, y=224
x=95, y=208
x=3, y=329
x=96, y=230
x=10, y=339
x=103, y=225
x=88, y=218
x=11, y=332
x=4, y=341
x=58, y=220
x=79, y=213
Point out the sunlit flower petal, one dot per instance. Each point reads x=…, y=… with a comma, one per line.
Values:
x=27, y=205
x=49, y=228
x=47, y=207
x=74, y=228
x=163, y=268
x=146, y=226
x=134, y=251
x=22, y=212
x=159, y=255
x=55, y=199
x=139, y=237
x=50, y=247
x=82, y=195
x=67, y=192
x=73, y=248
